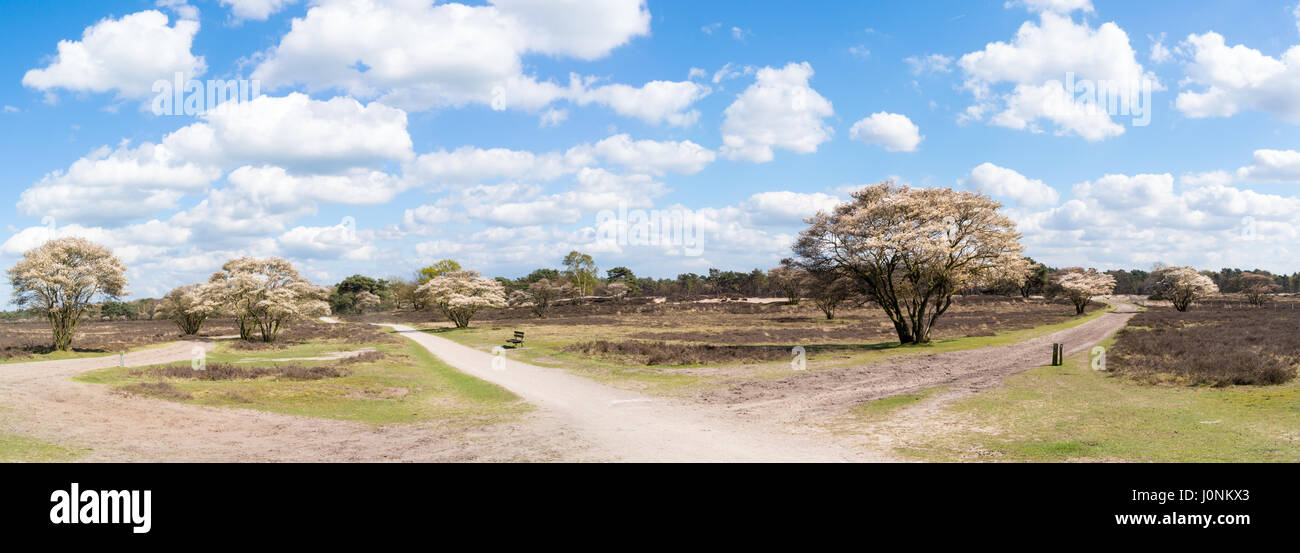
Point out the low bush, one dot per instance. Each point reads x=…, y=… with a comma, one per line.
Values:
x=664, y=353
x=227, y=371
x=1211, y=346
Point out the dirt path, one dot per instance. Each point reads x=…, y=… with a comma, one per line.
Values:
x=817, y=395
x=41, y=400
x=624, y=425
x=577, y=419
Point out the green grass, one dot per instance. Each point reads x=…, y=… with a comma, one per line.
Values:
x=1073, y=413
x=17, y=448
x=545, y=345
x=883, y=407
x=407, y=385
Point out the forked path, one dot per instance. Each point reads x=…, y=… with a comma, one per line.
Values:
x=624, y=425
x=41, y=400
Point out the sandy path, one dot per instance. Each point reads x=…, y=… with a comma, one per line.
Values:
x=819, y=394
x=578, y=419
x=625, y=425
x=42, y=401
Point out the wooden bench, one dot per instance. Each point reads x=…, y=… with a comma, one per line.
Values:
x=518, y=340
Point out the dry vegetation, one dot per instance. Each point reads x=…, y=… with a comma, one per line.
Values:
x=28, y=339
x=641, y=332
x=1215, y=345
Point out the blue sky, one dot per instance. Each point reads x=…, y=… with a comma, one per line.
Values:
x=394, y=133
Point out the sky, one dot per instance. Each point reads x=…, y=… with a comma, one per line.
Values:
x=379, y=136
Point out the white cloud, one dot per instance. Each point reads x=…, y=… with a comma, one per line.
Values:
x=1237, y=78
x=892, y=131
x=1035, y=63
x=650, y=156
x=117, y=185
x=296, y=131
x=1004, y=183
x=1123, y=221
x=1054, y=6
x=600, y=189
x=553, y=118
x=654, y=102
x=255, y=9
x=124, y=55
x=1273, y=166
x=468, y=165
x=1159, y=53
x=929, y=64
x=860, y=51
x=786, y=207
x=584, y=29
x=336, y=242
x=780, y=110
x=417, y=55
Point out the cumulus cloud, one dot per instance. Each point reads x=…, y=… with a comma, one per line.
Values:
x=1237, y=78
x=892, y=131
x=1035, y=63
x=1273, y=166
x=1126, y=220
x=117, y=185
x=780, y=110
x=255, y=9
x=296, y=131
x=1004, y=183
x=418, y=55
x=786, y=207
x=125, y=56
x=334, y=242
x=651, y=156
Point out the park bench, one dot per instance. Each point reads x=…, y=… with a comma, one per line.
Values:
x=518, y=340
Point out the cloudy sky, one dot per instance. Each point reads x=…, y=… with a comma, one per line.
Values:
x=392, y=133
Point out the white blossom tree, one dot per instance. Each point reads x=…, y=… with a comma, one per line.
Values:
x=1181, y=286
x=266, y=294
x=367, y=301
x=189, y=307
x=909, y=250
x=617, y=290
x=1079, y=286
x=460, y=294
x=61, y=278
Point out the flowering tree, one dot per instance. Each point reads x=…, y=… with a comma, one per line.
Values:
x=460, y=294
x=617, y=290
x=189, y=306
x=1181, y=286
x=266, y=294
x=365, y=301
x=910, y=250
x=1080, y=286
x=790, y=280
x=61, y=278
